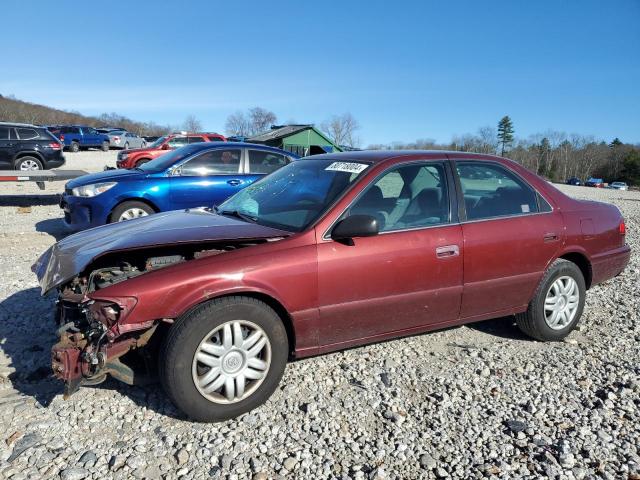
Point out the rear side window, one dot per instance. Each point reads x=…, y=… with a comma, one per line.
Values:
x=4, y=133
x=69, y=130
x=261, y=161
x=213, y=162
x=27, y=133
x=195, y=139
x=491, y=191
x=214, y=139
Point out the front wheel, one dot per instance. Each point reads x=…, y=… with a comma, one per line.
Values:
x=130, y=210
x=557, y=303
x=224, y=358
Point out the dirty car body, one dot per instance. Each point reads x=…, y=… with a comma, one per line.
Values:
x=438, y=246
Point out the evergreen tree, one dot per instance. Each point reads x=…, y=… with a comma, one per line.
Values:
x=505, y=133
x=615, y=142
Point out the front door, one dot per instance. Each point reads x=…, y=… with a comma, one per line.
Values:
x=406, y=277
x=207, y=179
x=6, y=147
x=510, y=234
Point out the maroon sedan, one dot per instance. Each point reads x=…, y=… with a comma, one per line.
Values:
x=326, y=253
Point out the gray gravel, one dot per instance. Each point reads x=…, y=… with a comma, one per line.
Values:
x=479, y=401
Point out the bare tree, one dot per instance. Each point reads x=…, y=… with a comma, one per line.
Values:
x=237, y=124
x=192, y=124
x=342, y=129
x=261, y=120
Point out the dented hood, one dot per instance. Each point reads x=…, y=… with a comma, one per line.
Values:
x=67, y=258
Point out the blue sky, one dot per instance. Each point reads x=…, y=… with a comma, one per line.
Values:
x=405, y=70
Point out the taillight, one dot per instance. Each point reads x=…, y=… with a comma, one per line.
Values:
x=62, y=138
x=622, y=228
x=116, y=139
x=55, y=146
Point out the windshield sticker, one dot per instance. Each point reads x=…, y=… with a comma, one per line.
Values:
x=525, y=208
x=348, y=167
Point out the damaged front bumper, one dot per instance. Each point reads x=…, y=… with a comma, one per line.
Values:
x=89, y=349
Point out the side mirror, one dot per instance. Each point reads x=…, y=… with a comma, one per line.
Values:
x=355, y=226
x=166, y=146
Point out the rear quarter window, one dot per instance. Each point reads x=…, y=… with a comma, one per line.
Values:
x=27, y=133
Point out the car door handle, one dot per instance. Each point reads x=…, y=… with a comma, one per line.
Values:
x=447, y=251
x=234, y=182
x=551, y=237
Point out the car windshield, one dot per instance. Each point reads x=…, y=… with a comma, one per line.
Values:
x=170, y=158
x=158, y=142
x=294, y=196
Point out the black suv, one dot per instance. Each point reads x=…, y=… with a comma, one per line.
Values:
x=27, y=147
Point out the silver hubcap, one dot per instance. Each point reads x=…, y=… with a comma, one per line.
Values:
x=561, y=303
x=29, y=165
x=231, y=362
x=132, y=213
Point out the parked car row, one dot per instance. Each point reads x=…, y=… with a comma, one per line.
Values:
x=597, y=183
x=324, y=253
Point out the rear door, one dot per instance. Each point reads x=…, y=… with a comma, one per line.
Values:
x=207, y=178
x=510, y=235
x=262, y=162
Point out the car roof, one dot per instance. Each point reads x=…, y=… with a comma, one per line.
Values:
x=256, y=146
x=12, y=124
x=377, y=156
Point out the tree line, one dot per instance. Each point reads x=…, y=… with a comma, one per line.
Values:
x=554, y=155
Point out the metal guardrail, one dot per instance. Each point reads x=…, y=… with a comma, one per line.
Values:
x=40, y=176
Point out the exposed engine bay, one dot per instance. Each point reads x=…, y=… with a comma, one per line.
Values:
x=91, y=346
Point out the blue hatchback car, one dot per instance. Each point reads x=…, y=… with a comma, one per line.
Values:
x=196, y=175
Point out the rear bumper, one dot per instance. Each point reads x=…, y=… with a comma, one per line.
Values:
x=609, y=264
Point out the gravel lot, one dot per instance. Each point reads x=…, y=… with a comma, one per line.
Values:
x=479, y=401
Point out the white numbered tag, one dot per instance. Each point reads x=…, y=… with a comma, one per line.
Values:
x=349, y=167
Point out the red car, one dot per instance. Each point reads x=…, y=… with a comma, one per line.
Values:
x=326, y=253
x=134, y=158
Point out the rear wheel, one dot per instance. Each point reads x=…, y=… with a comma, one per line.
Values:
x=105, y=146
x=557, y=303
x=130, y=210
x=75, y=147
x=224, y=358
x=27, y=164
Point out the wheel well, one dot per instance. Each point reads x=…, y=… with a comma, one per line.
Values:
x=270, y=301
x=134, y=199
x=29, y=154
x=583, y=264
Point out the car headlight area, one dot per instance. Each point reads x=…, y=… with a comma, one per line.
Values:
x=93, y=189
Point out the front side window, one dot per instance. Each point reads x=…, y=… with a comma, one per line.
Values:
x=27, y=133
x=177, y=142
x=412, y=196
x=213, y=162
x=491, y=191
x=261, y=161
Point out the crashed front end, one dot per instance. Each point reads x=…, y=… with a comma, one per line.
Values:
x=92, y=340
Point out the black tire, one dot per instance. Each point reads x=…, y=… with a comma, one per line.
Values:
x=105, y=146
x=183, y=339
x=75, y=147
x=126, y=146
x=28, y=159
x=533, y=322
x=124, y=206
